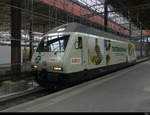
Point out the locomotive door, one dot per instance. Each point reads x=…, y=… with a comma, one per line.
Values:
x=81, y=53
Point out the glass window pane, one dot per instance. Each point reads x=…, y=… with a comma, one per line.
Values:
x=53, y=44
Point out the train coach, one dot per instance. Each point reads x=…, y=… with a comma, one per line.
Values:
x=74, y=52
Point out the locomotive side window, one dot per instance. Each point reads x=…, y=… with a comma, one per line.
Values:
x=80, y=42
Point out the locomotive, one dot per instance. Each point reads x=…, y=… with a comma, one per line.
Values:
x=74, y=52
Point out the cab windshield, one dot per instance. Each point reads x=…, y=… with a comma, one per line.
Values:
x=55, y=43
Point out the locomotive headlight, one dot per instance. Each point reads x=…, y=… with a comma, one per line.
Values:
x=35, y=67
x=57, y=69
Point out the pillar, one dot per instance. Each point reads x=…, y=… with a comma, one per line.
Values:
x=105, y=15
x=15, y=38
x=141, y=43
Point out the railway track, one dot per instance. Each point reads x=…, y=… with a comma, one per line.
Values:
x=16, y=99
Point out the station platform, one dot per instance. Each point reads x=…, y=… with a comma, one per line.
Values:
x=127, y=90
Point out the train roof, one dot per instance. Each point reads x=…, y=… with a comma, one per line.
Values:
x=76, y=27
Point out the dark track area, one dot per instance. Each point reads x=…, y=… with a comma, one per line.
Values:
x=33, y=96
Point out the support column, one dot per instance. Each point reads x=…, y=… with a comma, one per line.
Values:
x=130, y=24
x=130, y=29
x=105, y=15
x=30, y=2
x=31, y=43
x=141, y=43
x=15, y=38
x=147, y=46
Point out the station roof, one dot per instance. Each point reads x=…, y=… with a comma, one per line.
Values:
x=137, y=10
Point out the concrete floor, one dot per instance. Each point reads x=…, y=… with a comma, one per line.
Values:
x=127, y=90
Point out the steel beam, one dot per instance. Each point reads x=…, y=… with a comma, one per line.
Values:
x=31, y=39
x=105, y=15
x=15, y=38
x=141, y=43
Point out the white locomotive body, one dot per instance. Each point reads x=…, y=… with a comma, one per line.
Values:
x=75, y=52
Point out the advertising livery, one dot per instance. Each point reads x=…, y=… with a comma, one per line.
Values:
x=73, y=52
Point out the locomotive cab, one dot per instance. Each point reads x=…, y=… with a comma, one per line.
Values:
x=57, y=55
x=50, y=52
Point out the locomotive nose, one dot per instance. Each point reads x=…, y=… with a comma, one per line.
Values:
x=44, y=64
